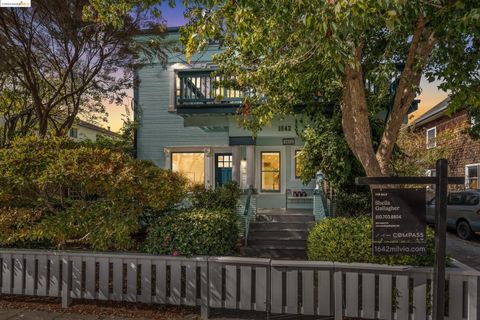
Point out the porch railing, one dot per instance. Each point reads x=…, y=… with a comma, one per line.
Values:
x=249, y=212
x=200, y=87
x=273, y=286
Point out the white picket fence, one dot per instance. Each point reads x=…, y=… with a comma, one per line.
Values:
x=273, y=286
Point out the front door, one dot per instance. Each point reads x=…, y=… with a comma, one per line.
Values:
x=223, y=168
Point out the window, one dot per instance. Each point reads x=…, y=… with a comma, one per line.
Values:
x=471, y=199
x=270, y=171
x=73, y=133
x=471, y=176
x=224, y=161
x=298, y=165
x=432, y=137
x=454, y=199
x=190, y=164
x=431, y=172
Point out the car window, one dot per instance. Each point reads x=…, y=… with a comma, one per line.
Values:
x=454, y=199
x=471, y=199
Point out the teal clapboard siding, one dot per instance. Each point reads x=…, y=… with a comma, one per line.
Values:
x=158, y=128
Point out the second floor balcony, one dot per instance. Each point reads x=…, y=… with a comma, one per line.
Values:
x=200, y=91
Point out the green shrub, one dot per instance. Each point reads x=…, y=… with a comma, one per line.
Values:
x=222, y=197
x=349, y=239
x=194, y=232
x=55, y=190
x=352, y=203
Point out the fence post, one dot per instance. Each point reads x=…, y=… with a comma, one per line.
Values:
x=66, y=282
x=205, y=293
x=269, y=289
x=440, y=239
x=338, y=294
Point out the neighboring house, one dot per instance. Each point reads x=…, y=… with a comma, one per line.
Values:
x=464, y=158
x=82, y=130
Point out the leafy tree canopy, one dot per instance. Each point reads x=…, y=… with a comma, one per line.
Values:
x=313, y=52
x=60, y=60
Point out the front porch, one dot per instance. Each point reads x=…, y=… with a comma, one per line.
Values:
x=272, y=171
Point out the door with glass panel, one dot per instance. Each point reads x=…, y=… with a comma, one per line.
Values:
x=270, y=171
x=223, y=168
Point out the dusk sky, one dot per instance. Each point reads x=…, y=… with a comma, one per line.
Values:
x=429, y=97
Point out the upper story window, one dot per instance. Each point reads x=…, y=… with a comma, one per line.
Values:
x=471, y=176
x=432, y=137
x=73, y=133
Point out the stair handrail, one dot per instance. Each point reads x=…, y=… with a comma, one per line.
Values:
x=247, y=214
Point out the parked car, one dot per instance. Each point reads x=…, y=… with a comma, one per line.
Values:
x=463, y=212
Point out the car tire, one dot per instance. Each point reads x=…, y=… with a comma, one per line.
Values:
x=464, y=231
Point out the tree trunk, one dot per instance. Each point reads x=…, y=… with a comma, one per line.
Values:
x=42, y=126
x=355, y=122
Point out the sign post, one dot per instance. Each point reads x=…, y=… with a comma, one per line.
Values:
x=441, y=182
x=440, y=239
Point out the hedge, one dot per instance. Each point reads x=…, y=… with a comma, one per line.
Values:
x=61, y=193
x=194, y=232
x=349, y=239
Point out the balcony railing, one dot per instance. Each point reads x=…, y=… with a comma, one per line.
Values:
x=201, y=88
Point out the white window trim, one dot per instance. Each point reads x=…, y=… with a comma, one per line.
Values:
x=428, y=172
x=426, y=138
x=466, y=173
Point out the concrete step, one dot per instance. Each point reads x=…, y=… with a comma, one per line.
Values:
x=285, y=217
x=283, y=211
x=283, y=243
x=278, y=234
x=277, y=226
x=274, y=253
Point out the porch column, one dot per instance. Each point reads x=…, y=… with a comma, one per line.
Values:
x=168, y=161
x=208, y=165
x=250, y=166
x=236, y=155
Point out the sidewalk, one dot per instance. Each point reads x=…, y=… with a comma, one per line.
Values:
x=14, y=314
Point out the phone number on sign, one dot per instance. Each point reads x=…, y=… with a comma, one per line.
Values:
x=388, y=216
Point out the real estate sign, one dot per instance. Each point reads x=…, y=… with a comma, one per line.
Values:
x=399, y=222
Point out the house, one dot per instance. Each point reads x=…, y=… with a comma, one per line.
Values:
x=464, y=152
x=188, y=125
x=82, y=130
